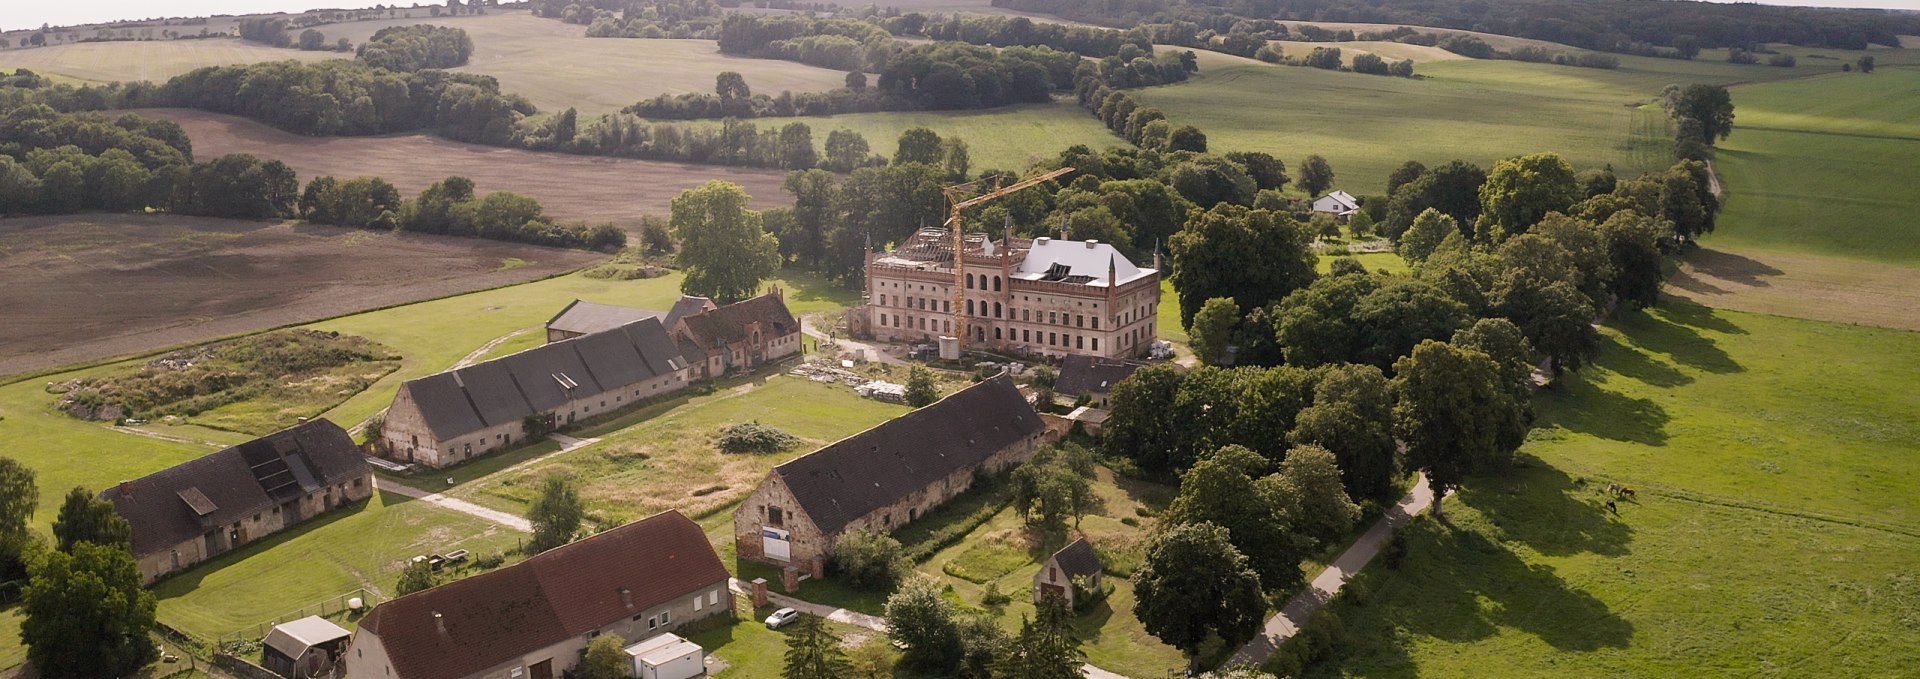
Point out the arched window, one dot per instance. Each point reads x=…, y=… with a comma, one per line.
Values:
x=996, y=309
x=969, y=281
x=969, y=307
x=996, y=283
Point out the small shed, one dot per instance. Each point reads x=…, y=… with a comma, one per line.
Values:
x=667, y=656
x=1090, y=419
x=1056, y=576
x=308, y=647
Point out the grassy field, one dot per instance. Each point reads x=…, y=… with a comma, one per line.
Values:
x=669, y=461
x=1802, y=286
x=361, y=548
x=1391, y=51
x=1010, y=138
x=1825, y=166
x=1774, y=531
x=556, y=66
x=155, y=60
x=1478, y=110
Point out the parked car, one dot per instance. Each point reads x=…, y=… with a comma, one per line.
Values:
x=782, y=617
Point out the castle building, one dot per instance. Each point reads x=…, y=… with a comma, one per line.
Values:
x=1040, y=296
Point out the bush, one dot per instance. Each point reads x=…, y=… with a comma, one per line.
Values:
x=868, y=560
x=753, y=437
x=993, y=597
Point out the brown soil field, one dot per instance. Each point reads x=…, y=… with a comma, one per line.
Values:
x=571, y=187
x=84, y=287
x=1802, y=286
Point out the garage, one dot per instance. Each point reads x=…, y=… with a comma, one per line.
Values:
x=667, y=656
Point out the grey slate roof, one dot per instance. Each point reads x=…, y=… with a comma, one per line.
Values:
x=687, y=305
x=509, y=388
x=1081, y=374
x=167, y=507
x=590, y=317
x=872, y=469
x=715, y=328
x=1077, y=558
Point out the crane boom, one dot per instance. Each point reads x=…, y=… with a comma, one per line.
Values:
x=960, y=238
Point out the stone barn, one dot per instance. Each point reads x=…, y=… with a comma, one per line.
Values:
x=1057, y=575
x=449, y=418
x=740, y=336
x=885, y=477
x=201, y=508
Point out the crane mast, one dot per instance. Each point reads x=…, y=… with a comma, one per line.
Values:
x=954, y=194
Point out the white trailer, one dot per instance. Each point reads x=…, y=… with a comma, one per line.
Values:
x=667, y=656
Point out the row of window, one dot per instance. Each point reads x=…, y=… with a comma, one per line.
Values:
x=983, y=282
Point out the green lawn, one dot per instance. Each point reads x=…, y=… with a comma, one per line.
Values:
x=1477, y=110
x=1390, y=262
x=361, y=548
x=1774, y=533
x=752, y=651
x=668, y=459
x=1007, y=553
x=1825, y=166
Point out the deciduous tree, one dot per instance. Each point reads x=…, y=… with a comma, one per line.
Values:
x=1253, y=256
x=1520, y=191
x=918, y=145
x=87, y=614
x=1213, y=329
x=1451, y=412
x=1316, y=174
x=1310, y=481
x=556, y=515
x=723, y=249
x=606, y=659
x=1220, y=490
x=1193, y=585
x=84, y=517
x=813, y=651
x=921, y=390
x=1352, y=416
x=924, y=622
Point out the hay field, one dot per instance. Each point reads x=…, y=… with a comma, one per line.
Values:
x=155, y=60
x=1774, y=532
x=556, y=66
x=86, y=287
x=1010, y=138
x=572, y=187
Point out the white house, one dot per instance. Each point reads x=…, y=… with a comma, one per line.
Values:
x=1339, y=204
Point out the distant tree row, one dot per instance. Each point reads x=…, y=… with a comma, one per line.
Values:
x=412, y=48
x=346, y=98
x=447, y=207
x=731, y=142
x=1144, y=126
x=1609, y=25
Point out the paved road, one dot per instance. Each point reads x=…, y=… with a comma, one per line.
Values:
x=455, y=504
x=858, y=619
x=1324, y=586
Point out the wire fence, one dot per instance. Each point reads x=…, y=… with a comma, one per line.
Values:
x=335, y=606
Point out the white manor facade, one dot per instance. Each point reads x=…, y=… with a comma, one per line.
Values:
x=1041, y=296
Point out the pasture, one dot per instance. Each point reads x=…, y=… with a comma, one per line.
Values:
x=1801, y=286
x=86, y=287
x=1769, y=454
x=1477, y=110
x=155, y=60
x=1825, y=166
x=556, y=66
x=570, y=187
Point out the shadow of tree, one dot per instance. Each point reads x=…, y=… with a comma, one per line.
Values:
x=1728, y=266
x=1583, y=406
x=1538, y=505
x=1671, y=330
x=1630, y=362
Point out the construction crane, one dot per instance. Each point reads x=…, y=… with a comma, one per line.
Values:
x=954, y=194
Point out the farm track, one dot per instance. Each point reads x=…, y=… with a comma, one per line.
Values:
x=570, y=187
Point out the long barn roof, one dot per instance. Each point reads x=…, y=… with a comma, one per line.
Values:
x=877, y=467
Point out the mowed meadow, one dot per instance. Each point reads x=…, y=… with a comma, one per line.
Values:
x=1773, y=533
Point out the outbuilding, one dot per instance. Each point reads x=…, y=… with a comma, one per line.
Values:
x=667, y=656
x=308, y=647
x=1071, y=573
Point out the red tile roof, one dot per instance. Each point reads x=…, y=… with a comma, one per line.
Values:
x=565, y=592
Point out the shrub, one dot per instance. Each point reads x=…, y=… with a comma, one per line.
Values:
x=993, y=597
x=868, y=560
x=753, y=437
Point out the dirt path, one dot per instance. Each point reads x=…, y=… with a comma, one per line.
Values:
x=167, y=437
x=1328, y=583
x=484, y=349
x=458, y=505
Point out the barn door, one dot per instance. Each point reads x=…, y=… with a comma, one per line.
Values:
x=542, y=669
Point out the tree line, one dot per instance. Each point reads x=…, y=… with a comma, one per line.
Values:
x=1608, y=25
x=406, y=49
x=447, y=207
x=346, y=98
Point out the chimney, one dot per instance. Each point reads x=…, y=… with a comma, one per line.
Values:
x=1093, y=244
x=440, y=623
x=1007, y=240
x=126, y=488
x=626, y=598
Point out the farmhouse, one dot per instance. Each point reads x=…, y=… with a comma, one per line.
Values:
x=533, y=620
x=444, y=419
x=198, y=509
x=884, y=477
x=739, y=336
x=1339, y=204
x=1093, y=377
x=1040, y=297
x=1072, y=572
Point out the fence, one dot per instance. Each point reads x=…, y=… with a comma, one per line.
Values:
x=330, y=607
